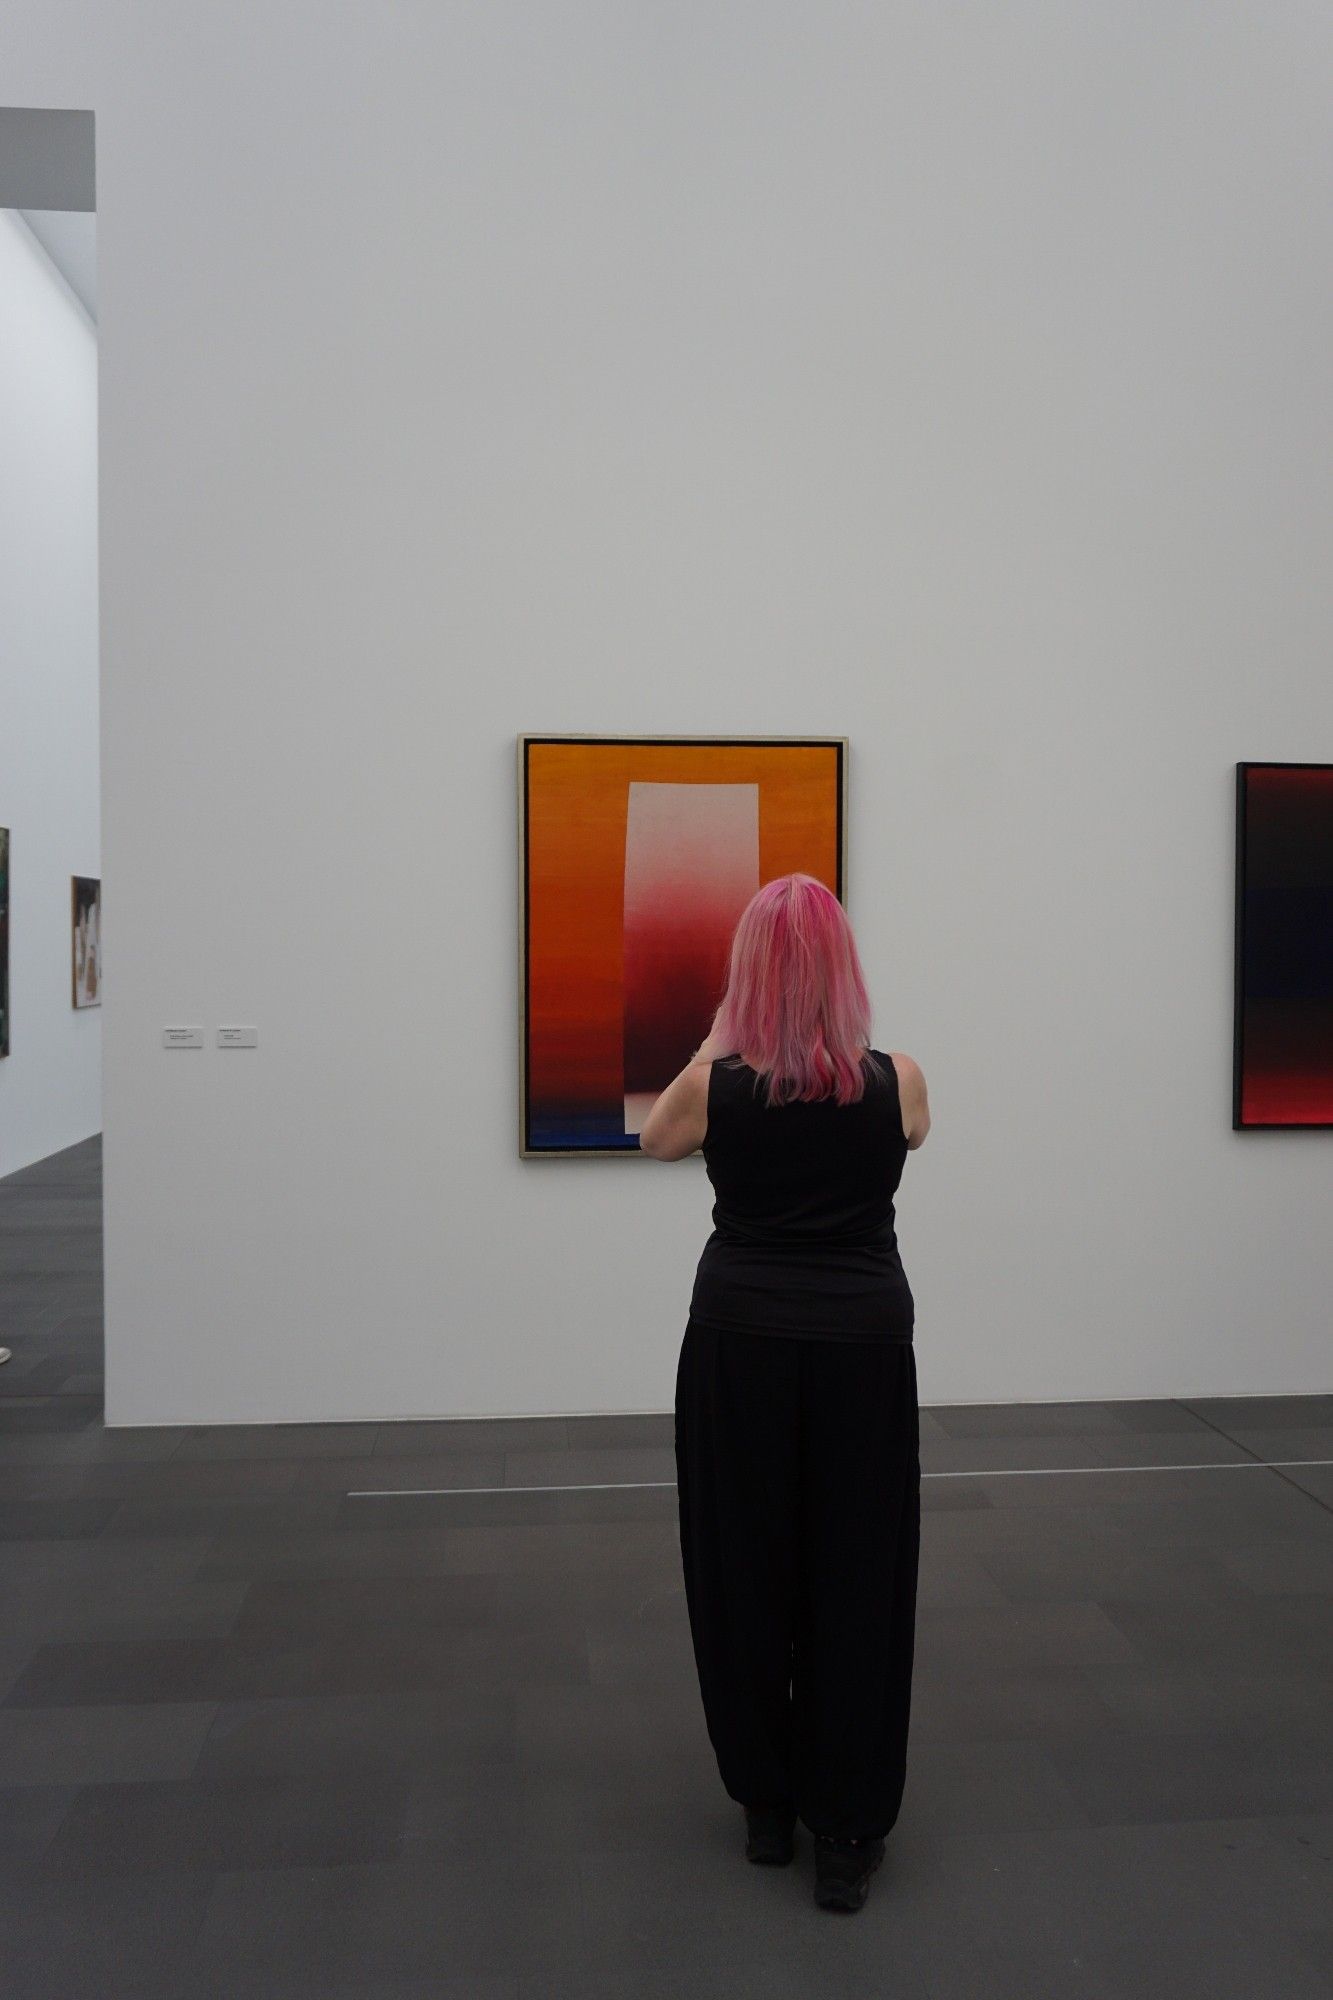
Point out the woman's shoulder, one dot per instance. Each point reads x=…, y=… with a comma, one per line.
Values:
x=908, y=1070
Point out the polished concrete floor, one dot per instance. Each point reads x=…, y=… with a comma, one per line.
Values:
x=267, y=1729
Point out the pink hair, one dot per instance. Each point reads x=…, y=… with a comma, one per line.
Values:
x=795, y=999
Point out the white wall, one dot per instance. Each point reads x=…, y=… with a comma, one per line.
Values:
x=51, y=1081
x=952, y=377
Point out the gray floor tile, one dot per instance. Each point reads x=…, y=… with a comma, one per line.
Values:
x=945, y=1577
x=147, y=1608
x=93, y=1444
x=341, y=1552
x=651, y=1427
x=978, y=1785
x=452, y=1435
x=620, y=1738
x=514, y=1507
x=28, y=1520
x=1302, y=1844
x=385, y=1736
x=30, y=1818
x=351, y=1661
x=101, y=1745
x=1071, y=1633
x=50, y=1416
x=1035, y=1896
x=1026, y=1420
x=765, y=1975
x=643, y=1656
x=1287, y=1441
x=109, y=1937
x=83, y=1384
x=572, y=1547
x=637, y=1597
x=1239, y=1630
x=1115, y=1972
x=156, y=1480
x=91, y=1672
x=1285, y=1566
x=1206, y=1693
x=1020, y=1420
x=384, y=1471
x=79, y=1324
x=1316, y=1480
x=31, y=1372
x=239, y=1516
x=35, y=1298
x=30, y=1319
x=1039, y=1450
x=278, y=1441
x=292, y=1609
x=398, y=1920
x=1167, y=1448
x=960, y=1495
x=266, y=1823
x=599, y=1465
x=1266, y=1413
x=762, y=1935
x=1197, y=1776
x=1060, y=1575
x=1230, y=1965
x=566, y=1810
x=1034, y=1705
x=38, y=1565
x=1244, y=1491
x=232, y=1982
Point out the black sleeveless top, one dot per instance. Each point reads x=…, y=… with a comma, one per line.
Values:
x=803, y=1237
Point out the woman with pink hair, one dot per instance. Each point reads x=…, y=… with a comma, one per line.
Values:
x=796, y=1420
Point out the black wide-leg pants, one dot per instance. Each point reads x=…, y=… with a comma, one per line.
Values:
x=799, y=1478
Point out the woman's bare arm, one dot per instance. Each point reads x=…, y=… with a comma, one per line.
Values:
x=912, y=1096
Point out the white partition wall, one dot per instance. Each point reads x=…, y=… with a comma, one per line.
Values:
x=51, y=1080
x=952, y=379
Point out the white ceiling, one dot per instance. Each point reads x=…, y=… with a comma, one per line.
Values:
x=69, y=238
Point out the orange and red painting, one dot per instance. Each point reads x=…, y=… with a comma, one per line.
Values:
x=637, y=855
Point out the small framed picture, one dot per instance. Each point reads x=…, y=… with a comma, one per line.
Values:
x=1282, y=1038
x=87, y=940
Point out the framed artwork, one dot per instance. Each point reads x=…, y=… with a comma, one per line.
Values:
x=1282, y=1037
x=87, y=941
x=4, y=940
x=636, y=856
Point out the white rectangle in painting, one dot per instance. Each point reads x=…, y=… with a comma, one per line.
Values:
x=691, y=866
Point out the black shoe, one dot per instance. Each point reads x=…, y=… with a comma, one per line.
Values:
x=768, y=1834
x=843, y=1869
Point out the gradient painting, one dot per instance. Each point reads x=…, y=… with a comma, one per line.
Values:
x=637, y=855
x=1283, y=1035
